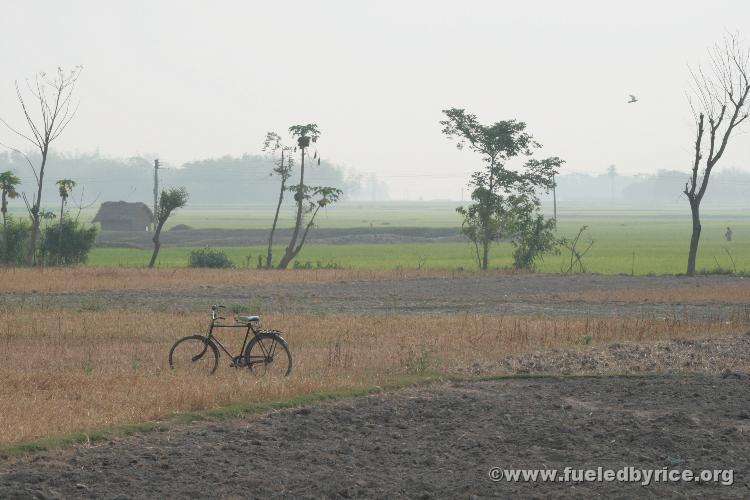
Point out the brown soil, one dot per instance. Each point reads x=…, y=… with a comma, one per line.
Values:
x=437, y=441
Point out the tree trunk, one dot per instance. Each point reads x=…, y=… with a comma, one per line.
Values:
x=59, y=233
x=35, y=220
x=4, y=209
x=304, y=235
x=695, y=238
x=290, y=253
x=157, y=244
x=476, y=248
x=485, y=240
x=485, y=252
x=269, y=256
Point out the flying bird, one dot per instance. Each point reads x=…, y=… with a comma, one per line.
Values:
x=632, y=99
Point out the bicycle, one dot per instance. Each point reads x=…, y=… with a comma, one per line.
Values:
x=267, y=353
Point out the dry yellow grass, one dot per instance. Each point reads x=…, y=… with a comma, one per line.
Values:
x=103, y=278
x=64, y=371
x=730, y=293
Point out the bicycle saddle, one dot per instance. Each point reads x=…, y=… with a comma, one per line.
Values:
x=248, y=319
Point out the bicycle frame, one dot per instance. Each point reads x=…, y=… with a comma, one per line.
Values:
x=211, y=338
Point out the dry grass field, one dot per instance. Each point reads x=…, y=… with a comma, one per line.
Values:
x=64, y=370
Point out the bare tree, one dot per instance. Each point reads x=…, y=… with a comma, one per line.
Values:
x=169, y=201
x=720, y=104
x=54, y=96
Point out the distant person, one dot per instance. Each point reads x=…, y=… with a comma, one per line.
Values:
x=728, y=234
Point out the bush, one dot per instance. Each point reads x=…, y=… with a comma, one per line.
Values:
x=14, y=241
x=207, y=257
x=533, y=236
x=74, y=246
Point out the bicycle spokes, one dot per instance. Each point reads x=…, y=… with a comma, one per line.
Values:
x=268, y=355
x=193, y=354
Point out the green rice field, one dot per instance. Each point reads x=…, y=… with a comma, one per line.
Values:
x=625, y=240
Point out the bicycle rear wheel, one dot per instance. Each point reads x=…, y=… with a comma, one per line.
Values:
x=268, y=354
x=194, y=354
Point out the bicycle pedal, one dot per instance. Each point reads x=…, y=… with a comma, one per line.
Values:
x=239, y=361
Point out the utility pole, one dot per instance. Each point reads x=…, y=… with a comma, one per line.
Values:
x=554, y=200
x=156, y=189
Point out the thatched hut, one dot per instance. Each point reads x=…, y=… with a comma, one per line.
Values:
x=124, y=216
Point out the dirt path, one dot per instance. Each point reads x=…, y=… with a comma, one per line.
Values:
x=520, y=295
x=435, y=441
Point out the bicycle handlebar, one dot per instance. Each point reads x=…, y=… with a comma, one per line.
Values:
x=213, y=311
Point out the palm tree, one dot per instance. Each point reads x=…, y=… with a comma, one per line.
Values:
x=305, y=134
x=65, y=186
x=8, y=183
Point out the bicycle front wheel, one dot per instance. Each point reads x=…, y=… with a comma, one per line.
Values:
x=268, y=354
x=194, y=354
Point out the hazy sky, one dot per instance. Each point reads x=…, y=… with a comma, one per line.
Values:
x=189, y=80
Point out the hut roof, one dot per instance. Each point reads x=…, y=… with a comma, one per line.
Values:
x=123, y=210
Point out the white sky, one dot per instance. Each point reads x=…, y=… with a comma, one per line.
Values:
x=189, y=79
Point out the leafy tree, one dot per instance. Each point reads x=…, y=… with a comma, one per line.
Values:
x=309, y=199
x=54, y=96
x=67, y=242
x=722, y=94
x=284, y=170
x=169, y=201
x=496, y=185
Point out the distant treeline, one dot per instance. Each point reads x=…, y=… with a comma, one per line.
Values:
x=228, y=180
x=728, y=187
x=245, y=180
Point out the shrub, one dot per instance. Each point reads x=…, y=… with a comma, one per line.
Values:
x=207, y=257
x=13, y=241
x=74, y=246
x=533, y=236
